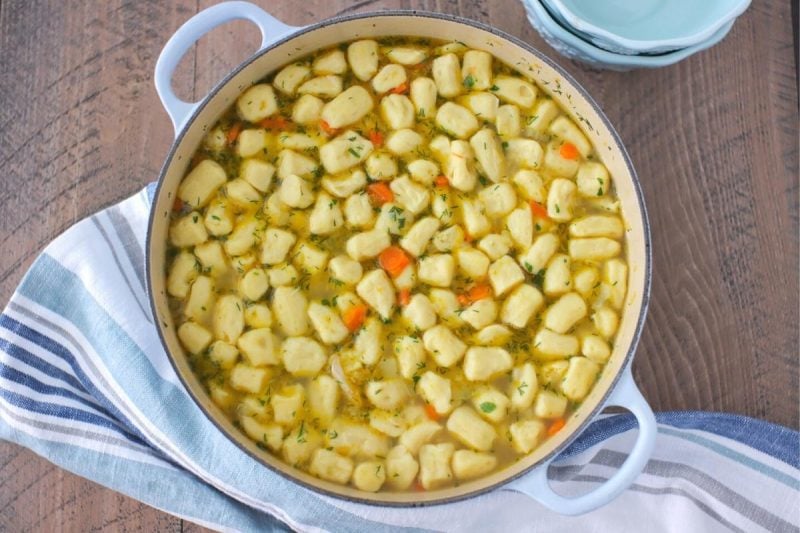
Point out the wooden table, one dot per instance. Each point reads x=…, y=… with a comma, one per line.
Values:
x=714, y=139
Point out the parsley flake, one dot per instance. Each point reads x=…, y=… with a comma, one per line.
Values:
x=487, y=407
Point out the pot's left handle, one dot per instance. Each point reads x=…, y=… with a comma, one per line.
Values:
x=192, y=30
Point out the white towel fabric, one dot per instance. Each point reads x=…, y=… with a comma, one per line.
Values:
x=85, y=382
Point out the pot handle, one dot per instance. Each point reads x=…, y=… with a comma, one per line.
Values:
x=626, y=395
x=192, y=30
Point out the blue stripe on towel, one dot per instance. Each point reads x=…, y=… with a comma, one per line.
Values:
x=736, y=456
x=64, y=354
x=774, y=440
x=62, y=411
x=34, y=361
x=17, y=376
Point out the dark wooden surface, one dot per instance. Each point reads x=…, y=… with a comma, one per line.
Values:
x=714, y=139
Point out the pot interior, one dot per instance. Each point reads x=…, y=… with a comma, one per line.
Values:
x=531, y=64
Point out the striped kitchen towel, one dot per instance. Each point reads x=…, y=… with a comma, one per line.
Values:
x=85, y=383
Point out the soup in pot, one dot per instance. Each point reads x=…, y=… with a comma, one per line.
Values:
x=397, y=264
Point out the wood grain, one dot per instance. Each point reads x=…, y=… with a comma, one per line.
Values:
x=714, y=139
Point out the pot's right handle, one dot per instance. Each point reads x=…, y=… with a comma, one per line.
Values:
x=192, y=30
x=537, y=486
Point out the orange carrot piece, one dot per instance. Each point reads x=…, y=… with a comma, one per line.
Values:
x=431, y=412
x=327, y=128
x=418, y=486
x=475, y=293
x=354, y=317
x=275, y=123
x=393, y=260
x=177, y=205
x=568, y=151
x=538, y=209
x=404, y=297
x=400, y=89
x=479, y=292
x=380, y=193
x=233, y=133
x=442, y=181
x=555, y=427
x=468, y=237
x=376, y=138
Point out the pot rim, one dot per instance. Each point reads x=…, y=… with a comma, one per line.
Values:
x=542, y=462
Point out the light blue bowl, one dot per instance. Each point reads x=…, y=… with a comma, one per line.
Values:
x=573, y=47
x=645, y=26
x=599, y=43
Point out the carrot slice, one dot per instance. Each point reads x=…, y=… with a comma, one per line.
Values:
x=380, y=193
x=468, y=237
x=404, y=297
x=442, y=181
x=393, y=260
x=376, y=138
x=431, y=412
x=177, y=205
x=275, y=123
x=354, y=317
x=418, y=486
x=400, y=89
x=555, y=427
x=475, y=293
x=233, y=133
x=538, y=209
x=479, y=292
x=327, y=128
x=568, y=151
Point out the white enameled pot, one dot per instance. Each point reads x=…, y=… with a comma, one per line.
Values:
x=281, y=44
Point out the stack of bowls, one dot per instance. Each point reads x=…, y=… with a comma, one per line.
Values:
x=628, y=34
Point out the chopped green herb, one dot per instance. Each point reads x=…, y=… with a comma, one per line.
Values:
x=488, y=407
x=538, y=278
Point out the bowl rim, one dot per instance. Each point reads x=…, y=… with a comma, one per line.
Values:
x=598, y=55
x=647, y=269
x=646, y=45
